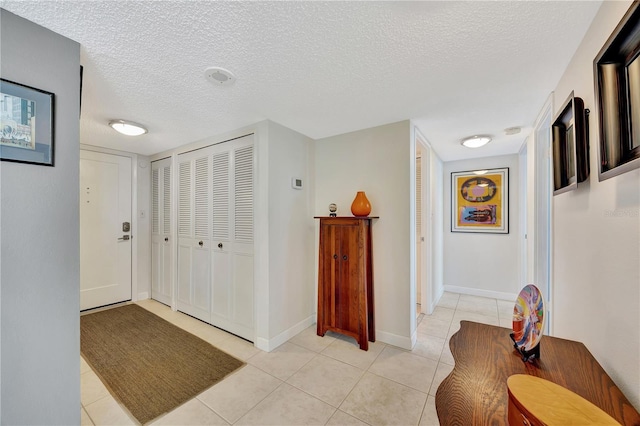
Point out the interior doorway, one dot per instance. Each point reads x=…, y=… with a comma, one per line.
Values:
x=542, y=214
x=423, y=237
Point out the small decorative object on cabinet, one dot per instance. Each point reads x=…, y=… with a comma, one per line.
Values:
x=333, y=208
x=360, y=206
x=570, y=146
x=345, y=278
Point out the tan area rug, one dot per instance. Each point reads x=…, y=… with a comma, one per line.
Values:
x=147, y=363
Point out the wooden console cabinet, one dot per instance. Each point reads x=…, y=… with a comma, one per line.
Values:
x=345, y=278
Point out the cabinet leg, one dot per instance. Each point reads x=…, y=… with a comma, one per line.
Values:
x=320, y=330
x=364, y=344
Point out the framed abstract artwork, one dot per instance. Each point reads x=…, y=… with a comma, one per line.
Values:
x=616, y=72
x=570, y=146
x=480, y=201
x=26, y=124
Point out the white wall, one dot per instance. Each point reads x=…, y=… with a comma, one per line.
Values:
x=437, y=214
x=377, y=161
x=40, y=275
x=291, y=234
x=596, y=238
x=483, y=264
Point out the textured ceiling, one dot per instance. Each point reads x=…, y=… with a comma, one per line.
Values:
x=320, y=68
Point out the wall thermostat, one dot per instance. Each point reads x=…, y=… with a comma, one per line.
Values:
x=296, y=183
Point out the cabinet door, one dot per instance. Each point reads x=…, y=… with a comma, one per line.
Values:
x=194, y=244
x=161, y=238
x=348, y=279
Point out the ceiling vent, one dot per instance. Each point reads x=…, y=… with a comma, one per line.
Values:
x=219, y=76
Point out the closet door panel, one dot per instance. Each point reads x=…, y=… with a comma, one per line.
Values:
x=232, y=242
x=161, y=255
x=243, y=290
x=194, y=265
x=157, y=266
x=185, y=234
x=184, y=276
x=221, y=284
x=201, y=278
x=167, y=270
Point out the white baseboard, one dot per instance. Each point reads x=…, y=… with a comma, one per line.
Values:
x=434, y=303
x=143, y=296
x=480, y=292
x=268, y=345
x=402, y=342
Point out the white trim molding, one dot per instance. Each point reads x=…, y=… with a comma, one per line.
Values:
x=480, y=292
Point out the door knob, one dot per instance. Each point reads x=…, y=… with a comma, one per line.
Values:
x=335, y=257
x=200, y=243
x=166, y=239
x=124, y=238
x=344, y=257
x=219, y=245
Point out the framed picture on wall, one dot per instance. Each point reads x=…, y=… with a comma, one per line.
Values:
x=480, y=201
x=26, y=124
x=616, y=72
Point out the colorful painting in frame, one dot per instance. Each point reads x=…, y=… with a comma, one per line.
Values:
x=26, y=124
x=480, y=201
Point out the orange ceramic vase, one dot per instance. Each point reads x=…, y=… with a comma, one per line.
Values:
x=360, y=206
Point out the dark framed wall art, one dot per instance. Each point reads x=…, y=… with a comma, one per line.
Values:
x=26, y=124
x=570, y=145
x=480, y=201
x=616, y=71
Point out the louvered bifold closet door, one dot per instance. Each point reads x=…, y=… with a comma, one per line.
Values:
x=233, y=233
x=194, y=243
x=161, y=254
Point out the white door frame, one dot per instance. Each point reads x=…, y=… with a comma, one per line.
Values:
x=134, y=211
x=522, y=202
x=419, y=141
x=427, y=227
x=540, y=223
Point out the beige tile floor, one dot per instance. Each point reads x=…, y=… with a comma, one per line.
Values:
x=315, y=380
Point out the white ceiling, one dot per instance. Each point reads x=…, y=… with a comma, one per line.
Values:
x=457, y=68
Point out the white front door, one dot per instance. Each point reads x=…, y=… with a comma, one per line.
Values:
x=105, y=241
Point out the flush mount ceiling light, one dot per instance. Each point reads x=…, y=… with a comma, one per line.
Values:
x=475, y=141
x=219, y=76
x=128, y=128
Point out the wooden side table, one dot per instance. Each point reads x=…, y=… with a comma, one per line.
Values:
x=475, y=393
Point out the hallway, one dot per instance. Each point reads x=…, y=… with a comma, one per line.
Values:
x=316, y=380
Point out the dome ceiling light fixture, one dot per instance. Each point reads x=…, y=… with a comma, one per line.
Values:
x=128, y=128
x=476, y=141
x=219, y=76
